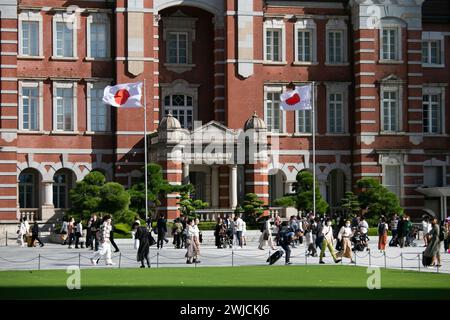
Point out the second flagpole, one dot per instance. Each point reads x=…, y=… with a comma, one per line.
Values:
x=145, y=152
x=314, y=145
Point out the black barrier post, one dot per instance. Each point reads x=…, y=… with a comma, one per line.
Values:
x=39, y=261
x=401, y=256
x=370, y=259
x=120, y=258
x=418, y=259
x=385, y=259
x=232, y=258
x=157, y=259
x=6, y=238
x=306, y=258
x=355, y=257
x=79, y=260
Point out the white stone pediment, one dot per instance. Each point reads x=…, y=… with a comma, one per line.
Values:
x=213, y=131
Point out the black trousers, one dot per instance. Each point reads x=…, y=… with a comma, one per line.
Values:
x=71, y=238
x=177, y=240
x=111, y=239
x=287, y=251
x=36, y=237
x=77, y=239
x=161, y=237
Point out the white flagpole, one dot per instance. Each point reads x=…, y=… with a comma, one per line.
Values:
x=145, y=152
x=314, y=146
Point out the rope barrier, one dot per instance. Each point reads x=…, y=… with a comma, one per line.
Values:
x=56, y=259
x=250, y=256
x=24, y=261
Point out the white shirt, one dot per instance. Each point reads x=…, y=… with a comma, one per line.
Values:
x=345, y=232
x=195, y=231
x=239, y=224
x=328, y=233
x=363, y=226
x=244, y=226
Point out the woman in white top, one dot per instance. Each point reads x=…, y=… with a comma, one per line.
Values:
x=190, y=232
x=327, y=232
x=196, y=238
x=21, y=232
x=425, y=229
x=344, y=236
x=266, y=235
x=133, y=233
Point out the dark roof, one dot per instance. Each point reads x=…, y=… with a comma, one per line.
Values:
x=436, y=11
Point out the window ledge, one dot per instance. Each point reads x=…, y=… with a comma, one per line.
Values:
x=430, y=65
x=434, y=135
x=401, y=133
x=391, y=62
x=69, y=133
x=337, y=134
x=300, y=134
x=305, y=63
x=340, y=64
x=30, y=57
x=64, y=58
x=97, y=59
x=279, y=134
x=31, y=132
x=179, y=68
x=97, y=133
x=274, y=63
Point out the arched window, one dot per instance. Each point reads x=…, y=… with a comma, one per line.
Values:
x=62, y=183
x=335, y=187
x=28, y=189
x=181, y=107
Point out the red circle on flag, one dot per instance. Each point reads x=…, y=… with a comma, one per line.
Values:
x=121, y=96
x=294, y=99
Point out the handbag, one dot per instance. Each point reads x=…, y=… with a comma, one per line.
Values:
x=151, y=240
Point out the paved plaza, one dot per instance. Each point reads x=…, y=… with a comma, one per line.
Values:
x=56, y=256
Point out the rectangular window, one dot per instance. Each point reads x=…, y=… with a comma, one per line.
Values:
x=433, y=176
x=304, y=41
x=64, y=40
x=273, y=44
x=390, y=111
x=432, y=113
x=335, y=47
x=178, y=47
x=64, y=109
x=336, y=113
x=431, y=52
x=304, y=124
x=30, y=38
x=30, y=107
x=99, y=43
x=99, y=111
x=273, y=112
x=390, y=40
x=392, y=179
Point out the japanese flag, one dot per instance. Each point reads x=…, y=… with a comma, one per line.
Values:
x=297, y=99
x=123, y=95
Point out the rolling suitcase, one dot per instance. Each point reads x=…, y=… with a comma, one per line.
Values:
x=275, y=257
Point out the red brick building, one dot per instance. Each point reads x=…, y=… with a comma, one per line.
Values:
x=380, y=71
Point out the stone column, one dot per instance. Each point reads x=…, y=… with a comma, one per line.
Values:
x=233, y=186
x=47, y=208
x=214, y=187
x=185, y=173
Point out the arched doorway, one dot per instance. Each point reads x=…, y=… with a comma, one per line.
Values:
x=336, y=187
x=63, y=181
x=29, y=191
x=277, y=186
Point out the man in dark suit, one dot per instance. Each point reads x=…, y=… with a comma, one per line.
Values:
x=161, y=226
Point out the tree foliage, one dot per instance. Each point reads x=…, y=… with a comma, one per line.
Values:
x=377, y=199
x=350, y=203
x=302, y=198
x=189, y=205
x=253, y=208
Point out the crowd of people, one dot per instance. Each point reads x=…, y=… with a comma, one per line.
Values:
x=340, y=236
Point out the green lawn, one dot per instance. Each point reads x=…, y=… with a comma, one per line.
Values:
x=264, y=282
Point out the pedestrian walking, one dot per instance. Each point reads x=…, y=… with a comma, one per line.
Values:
x=327, y=242
x=434, y=244
x=177, y=231
x=71, y=232
x=21, y=233
x=111, y=237
x=161, y=226
x=344, y=235
x=189, y=240
x=382, y=234
x=35, y=235
x=145, y=238
x=104, y=248
x=239, y=225
x=266, y=234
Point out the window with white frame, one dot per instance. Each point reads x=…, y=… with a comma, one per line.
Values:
x=99, y=113
x=177, y=47
x=433, y=102
x=336, y=37
x=61, y=186
x=274, y=42
x=433, y=49
x=305, y=41
x=64, y=107
x=390, y=110
x=98, y=36
x=30, y=34
x=433, y=176
x=273, y=113
x=336, y=112
x=392, y=178
x=64, y=35
x=304, y=121
x=30, y=104
x=181, y=107
x=391, y=39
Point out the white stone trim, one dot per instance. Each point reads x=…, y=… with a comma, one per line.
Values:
x=32, y=16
